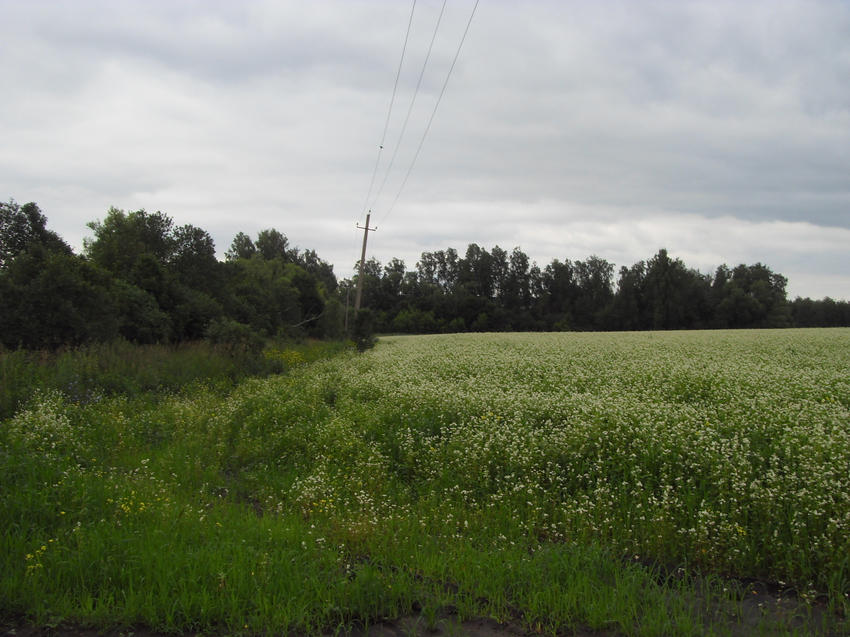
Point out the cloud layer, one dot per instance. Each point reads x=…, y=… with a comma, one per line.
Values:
x=718, y=130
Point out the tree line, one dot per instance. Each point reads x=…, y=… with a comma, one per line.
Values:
x=499, y=291
x=142, y=278
x=145, y=279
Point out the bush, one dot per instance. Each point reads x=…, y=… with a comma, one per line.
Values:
x=236, y=337
x=332, y=321
x=364, y=330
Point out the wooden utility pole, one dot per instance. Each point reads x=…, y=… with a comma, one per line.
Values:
x=347, y=295
x=366, y=230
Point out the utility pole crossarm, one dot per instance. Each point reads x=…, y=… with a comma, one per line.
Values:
x=366, y=229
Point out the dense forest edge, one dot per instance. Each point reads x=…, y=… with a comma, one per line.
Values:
x=144, y=279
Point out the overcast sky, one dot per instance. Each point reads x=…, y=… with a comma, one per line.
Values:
x=718, y=130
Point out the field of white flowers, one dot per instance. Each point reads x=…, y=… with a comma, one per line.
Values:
x=464, y=468
x=729, y=450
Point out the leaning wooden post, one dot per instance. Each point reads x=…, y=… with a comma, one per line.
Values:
x=347, y=296
x=366, y=230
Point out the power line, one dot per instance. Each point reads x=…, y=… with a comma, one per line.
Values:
x=389, y=113
x=387, y=123
x=412, y=101
x=434, y=112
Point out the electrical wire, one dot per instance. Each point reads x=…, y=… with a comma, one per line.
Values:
x=386, y=126
x=389, y=113
x=412, y=102
x=424, y=135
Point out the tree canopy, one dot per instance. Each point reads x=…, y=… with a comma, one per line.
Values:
x=497, y=290
x=22, y=227
x=143, y=278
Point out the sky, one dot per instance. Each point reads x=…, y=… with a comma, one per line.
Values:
x=717, y=130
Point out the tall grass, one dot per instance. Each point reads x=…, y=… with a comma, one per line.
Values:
x=89, y=373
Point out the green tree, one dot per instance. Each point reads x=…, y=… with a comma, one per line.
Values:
x=121, y=239
x=826, y=312
x=448, y=267
x=389, y=292
x=241, y=248
x=426, y=268
x=629, y=311
x=54, y=299
x=595, y=278
x=750, y=296
x=194, y=262
x=235, y=336
x=262, y=295
x=476, y=272
x=371, y=290
x=191, y=312
x=517, y=293
x=148, y=274
x=311, y=301
x=320, y=269
x=674, y=297
x=140, y=318
x=560, y=293
x=175, y=266
x=415, y=321
x=23, y=226
x=737, y=309
x=364, y=330
x=331, y=323
x=499, y=268
x=272, y=244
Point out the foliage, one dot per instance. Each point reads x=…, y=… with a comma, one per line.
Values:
x=236, y=337
x=141, y=319
x=364, y=330
x=22, y=227
x=194, y=261
x=121, y=239
x=149, y=281
x=496, y=291
x=272, y=244
x=241, y=248
x=499, y=476
x=824, y=313
x=51, y=299
x=91, y=373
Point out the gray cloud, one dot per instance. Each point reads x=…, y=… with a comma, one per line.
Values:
x=568, y=128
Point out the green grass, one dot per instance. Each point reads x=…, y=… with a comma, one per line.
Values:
x=498, y=476
x=89, y=373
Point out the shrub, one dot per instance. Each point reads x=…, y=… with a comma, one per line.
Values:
x=364, y=330
x=236, y=337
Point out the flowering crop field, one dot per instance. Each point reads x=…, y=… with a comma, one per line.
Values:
x=498, y=475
